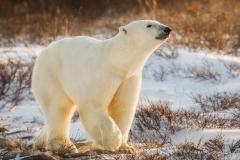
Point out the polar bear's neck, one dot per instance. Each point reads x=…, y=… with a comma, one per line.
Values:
x=126, y=55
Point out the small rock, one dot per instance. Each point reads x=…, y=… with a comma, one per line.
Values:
x=9, y=155
x=99, y=151
x=41, y=156
x=82, y=158
x=84, y=154
x=29, y=153
x=3, y=130
x=29, y=137
x=15, y=132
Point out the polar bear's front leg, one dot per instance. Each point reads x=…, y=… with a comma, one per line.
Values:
x=57, y=109
x=92, y=109
x=100, y=128
x=41, y=140
x=123, y=107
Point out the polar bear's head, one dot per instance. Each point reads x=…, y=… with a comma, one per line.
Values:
x=146, y=33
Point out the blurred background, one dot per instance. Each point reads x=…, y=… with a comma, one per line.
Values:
x=209, y=24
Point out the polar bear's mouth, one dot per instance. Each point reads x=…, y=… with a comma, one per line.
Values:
x=162, y=37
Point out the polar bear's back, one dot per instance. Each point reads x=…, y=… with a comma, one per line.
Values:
x=72, y=45
x=69, y=51
x=65, y=61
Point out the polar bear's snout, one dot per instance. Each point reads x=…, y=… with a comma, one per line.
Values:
x=163, y=33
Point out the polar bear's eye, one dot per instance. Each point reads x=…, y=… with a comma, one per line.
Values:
x=148, y=26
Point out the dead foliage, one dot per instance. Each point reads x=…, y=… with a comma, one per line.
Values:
x=211, y=149
x=207, y=71
x=233, y=68
x=161, y=73
x=75, y=116
x=15, y=81
x=235, y=146
x=197, y=24
x=156, y=123
x=217, y=101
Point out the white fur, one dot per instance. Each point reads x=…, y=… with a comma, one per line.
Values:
x=101, y=78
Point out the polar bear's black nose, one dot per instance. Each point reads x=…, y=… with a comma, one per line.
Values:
x=167, y=30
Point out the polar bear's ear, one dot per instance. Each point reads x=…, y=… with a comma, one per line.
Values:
x=123, y=30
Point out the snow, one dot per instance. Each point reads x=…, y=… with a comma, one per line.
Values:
x=77, y=131
x=207, y=134
x=176, y=89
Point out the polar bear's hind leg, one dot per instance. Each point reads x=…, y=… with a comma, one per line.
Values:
x=58, y=124
x=57, y=109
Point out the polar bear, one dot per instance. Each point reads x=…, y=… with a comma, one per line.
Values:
x=101, y=78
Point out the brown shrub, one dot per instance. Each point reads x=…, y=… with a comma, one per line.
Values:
x=211, y=149
x=205, y=72
x=15, y=78
x=217, y=101
x=156, y=123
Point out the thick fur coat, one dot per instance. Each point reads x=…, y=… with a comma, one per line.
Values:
x=102, y=79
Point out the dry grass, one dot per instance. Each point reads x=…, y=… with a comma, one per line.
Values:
x=64, y=149
x=198, y=24
x=160, y=120
x=211, y=149
x=156, y=123
x=188, y=150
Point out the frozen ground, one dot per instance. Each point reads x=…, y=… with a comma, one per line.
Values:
x=160, y=81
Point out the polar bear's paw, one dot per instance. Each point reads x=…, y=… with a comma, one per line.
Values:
x=61, y=147
x=126, y=149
